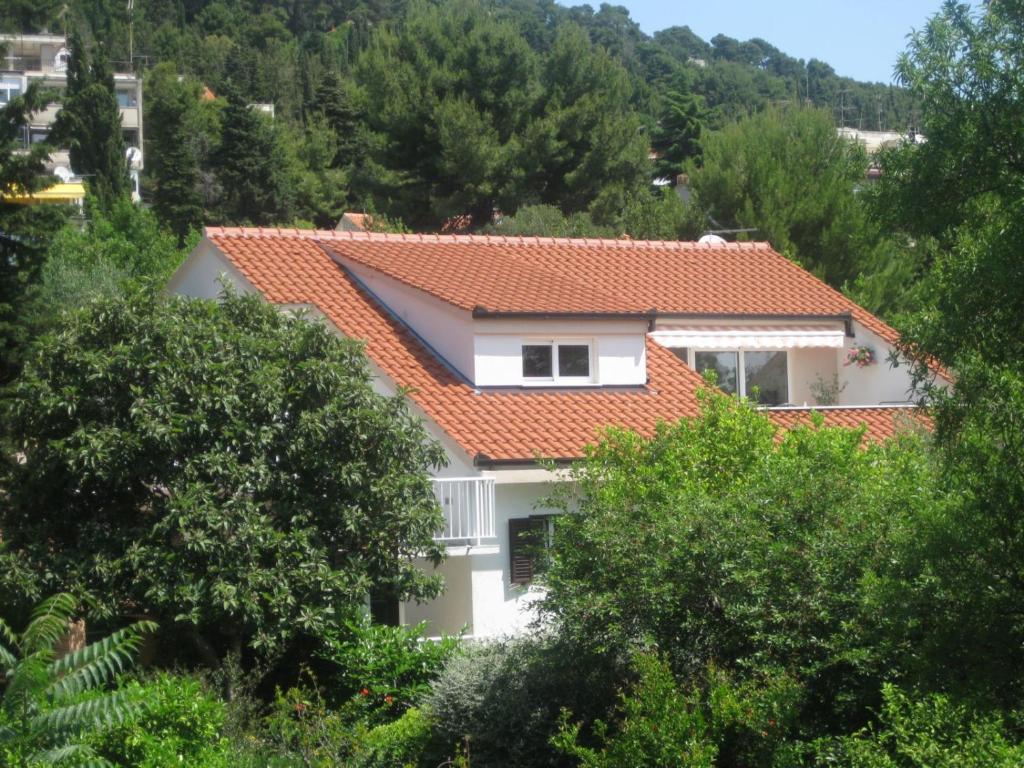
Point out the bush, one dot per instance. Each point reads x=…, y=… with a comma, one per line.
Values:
x=927, y=732
x=401, y=744
x=178, y=723
x=506, y=697
x=387, y=669
x=659, y=726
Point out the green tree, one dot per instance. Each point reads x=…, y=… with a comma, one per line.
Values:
x=680, y=125
x=172, y=157
x=224, y=468
x=89, y=122
x=45, y=719
x=752, y=548
x=25, y=230
x=788, y=175
x=113, y=251
x=965, y=71
x=251, y=168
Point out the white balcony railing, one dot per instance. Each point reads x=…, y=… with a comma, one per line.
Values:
x=468, y=505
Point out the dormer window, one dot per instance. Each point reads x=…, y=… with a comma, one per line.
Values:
x=557, y=362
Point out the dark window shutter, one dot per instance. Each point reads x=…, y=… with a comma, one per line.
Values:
x=525, y=536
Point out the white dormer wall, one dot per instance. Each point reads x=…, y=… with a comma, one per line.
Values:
x=448, y=330
x=874, y=384
x=618, y=350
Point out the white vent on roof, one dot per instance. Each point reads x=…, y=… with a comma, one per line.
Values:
x=712, y=240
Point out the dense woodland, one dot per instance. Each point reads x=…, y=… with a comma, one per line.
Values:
x=215, y=487
x=426, y=111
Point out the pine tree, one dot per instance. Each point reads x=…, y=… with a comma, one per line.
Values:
x=173, y=160
x=90, y=123
x=677, y=137
x=335, y=102
x=251, y=167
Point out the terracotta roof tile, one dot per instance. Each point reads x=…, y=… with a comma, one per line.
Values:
x=296, y=267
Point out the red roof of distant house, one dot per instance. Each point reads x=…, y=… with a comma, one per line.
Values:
x=534, y=275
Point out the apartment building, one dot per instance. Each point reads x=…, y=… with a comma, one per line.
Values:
x=44, y=58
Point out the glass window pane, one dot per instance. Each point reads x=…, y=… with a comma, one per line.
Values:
x=767, y=372
x=724, y=364
x=574, y=360
x=536, y=361
x=681, y=353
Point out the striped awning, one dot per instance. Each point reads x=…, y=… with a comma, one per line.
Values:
x=750, y=336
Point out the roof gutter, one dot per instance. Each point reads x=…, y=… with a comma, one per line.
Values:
x=481, y=312
x=651, y=316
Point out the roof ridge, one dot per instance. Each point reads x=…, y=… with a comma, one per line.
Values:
x=426, y=237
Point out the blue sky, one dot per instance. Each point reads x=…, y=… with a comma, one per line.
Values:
x=859, y=38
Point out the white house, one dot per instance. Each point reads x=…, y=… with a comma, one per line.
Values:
x=511, y=349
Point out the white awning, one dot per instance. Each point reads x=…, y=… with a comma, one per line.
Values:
x=751, y=337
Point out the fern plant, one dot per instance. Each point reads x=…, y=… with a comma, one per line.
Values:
x=46, y=707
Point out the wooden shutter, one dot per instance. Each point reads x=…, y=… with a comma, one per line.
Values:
x=525, y=536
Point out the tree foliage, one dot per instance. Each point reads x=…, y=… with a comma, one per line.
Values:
x=173, y=158
x=25, y=230
x=222, y=467
x=44, y=719
x=753, y=550
x=786, y=174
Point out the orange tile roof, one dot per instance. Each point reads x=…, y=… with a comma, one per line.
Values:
x=294, y=267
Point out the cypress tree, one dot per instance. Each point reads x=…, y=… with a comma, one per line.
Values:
x=90, y=124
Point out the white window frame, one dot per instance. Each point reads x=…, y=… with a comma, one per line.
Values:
x=555, y=379
x=741, y=369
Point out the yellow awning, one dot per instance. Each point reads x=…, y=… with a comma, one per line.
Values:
x=64, y=192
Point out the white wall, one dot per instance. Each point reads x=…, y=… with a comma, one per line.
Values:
x=447, y=329
x=805, y=366
x=499, y=608
x=478, y=592
x=621, y=358
x=878, y=383
x=453, y=610
x=199, y=277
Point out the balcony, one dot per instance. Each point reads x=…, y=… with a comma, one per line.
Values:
x=468, y=506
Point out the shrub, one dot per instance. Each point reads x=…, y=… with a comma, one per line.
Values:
x=302, y=730
x=927, y=732
x=51, y=706
x=658, y=726
x=506, y=697
x=401, y=744
x=757, y=553
x=179, y=722
x=385, y=668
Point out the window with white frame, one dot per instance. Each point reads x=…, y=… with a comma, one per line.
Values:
x=559, y=362
x=760, y=374
x=9, y=90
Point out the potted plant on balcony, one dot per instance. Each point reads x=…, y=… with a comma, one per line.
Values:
x=861, y=355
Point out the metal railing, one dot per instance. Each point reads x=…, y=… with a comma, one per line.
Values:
x=468, y=506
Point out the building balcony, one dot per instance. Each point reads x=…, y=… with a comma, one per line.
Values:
x=468, y=506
